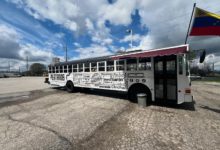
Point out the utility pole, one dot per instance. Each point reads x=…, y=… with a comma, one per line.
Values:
x=66, y=52
x=9, y=67
x=27, y=63
x=131, y=35
x=65, y=48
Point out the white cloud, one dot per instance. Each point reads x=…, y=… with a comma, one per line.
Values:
x=118, y=13
x=167, y=21
x=212, y=58
x=60, y=12
x=11, y=50
x=9, y=42
x=89, y=24
x=107, y=41
x=14, y=64
x=80, y=15
x=92, y=51
x=146, y=43
x=76, y=44
x=135, y=38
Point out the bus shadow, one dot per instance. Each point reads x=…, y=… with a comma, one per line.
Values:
x=185, y=106
x=115, y=94
x=211, y=109
x=105, y=93
x=123, y=96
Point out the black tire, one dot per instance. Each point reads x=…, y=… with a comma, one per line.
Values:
x=136, y=89
x=69, y=86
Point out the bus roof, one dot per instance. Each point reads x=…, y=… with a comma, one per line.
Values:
x=180, y=49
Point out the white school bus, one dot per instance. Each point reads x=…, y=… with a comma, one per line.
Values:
x=161, y=73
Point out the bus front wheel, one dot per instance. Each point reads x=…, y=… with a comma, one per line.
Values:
x=69, y=86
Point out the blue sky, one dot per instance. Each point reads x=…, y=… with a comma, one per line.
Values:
x=40, y=29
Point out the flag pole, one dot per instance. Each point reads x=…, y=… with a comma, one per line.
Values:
x=194, y=6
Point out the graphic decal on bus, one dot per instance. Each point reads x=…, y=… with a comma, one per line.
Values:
x=59, y=77
x=101, y=80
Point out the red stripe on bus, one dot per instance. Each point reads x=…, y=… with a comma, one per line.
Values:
x=163, y=52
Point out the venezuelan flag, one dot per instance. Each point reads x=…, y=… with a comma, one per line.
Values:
x=205, y=23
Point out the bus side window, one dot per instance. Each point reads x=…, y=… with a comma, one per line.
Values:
x=56, y=69
x=120, y=65
x=49, y=69
x=69, y=68
x=93, y=66
x=61, y=69
x=101, y=66
x=53, y=69
x=131, y=64
x=180, y=62
x=144, y=64
x=65, y=69
x=86, y=67
x=75, y=68
x=80, y=67
x=110, y=65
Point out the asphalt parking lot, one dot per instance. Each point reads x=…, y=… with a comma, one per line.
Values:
x=46, y=118
x=21, y=84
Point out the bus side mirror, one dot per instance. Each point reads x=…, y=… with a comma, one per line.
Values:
x=202, y=56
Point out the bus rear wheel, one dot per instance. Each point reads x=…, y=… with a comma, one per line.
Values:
x=136, y=89
x=69, y=86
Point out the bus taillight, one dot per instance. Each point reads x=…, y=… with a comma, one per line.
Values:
x=187, y=90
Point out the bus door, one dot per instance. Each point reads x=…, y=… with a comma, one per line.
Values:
x=165, y=78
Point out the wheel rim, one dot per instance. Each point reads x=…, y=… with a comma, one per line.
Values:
x=69, y=86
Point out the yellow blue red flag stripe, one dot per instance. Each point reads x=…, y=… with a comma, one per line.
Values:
x=205, y=23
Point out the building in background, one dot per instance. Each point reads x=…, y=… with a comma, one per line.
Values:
x=55, y=60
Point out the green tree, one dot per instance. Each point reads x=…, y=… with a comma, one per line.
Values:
x=37, y=69
x=192, y=55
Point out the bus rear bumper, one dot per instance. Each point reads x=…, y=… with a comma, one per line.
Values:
x=188, y=98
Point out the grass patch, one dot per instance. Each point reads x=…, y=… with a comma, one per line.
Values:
x=210, y=79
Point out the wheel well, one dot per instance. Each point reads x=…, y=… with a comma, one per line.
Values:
x=141, y=87
x=69, y=81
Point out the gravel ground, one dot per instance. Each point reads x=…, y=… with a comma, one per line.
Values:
x=54, y=119
x=184, y=127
